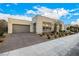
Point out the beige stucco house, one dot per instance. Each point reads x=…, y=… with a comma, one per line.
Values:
x=39, y=24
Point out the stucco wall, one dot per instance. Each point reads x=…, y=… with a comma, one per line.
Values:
x=39, y=27
x=31, y=27
x=39, y=23
x=12, y=21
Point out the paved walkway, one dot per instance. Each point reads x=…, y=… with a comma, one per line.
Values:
x=20, y=40
x=59, y=47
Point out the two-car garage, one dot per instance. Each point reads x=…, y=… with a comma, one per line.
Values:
x=21, y=28
x=18, y=26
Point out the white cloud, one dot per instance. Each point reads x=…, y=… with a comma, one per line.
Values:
x=6, y=16
x=62, y=12
x=44, y=11
x=52, y=13
x=69, y=16
x=76, y=14
x=75, y=22
x=31, y=12
x=73, y=10
x=15, y=3
x=7, y=5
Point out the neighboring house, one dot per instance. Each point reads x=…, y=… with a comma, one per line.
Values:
x=73, y=28
x=39, y=24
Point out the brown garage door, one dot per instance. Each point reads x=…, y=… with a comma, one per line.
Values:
x=21, y=28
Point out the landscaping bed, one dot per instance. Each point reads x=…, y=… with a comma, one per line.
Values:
x=54, y=35
x=3, y=39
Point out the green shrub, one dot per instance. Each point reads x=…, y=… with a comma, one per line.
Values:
x=1, y=33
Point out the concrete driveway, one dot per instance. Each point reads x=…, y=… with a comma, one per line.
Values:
x=65, y=46
x=20, y=40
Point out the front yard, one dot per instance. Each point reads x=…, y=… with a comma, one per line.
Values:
x=20, y=40
x=64, y=46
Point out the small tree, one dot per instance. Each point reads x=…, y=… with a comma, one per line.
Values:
x=55, y=27
x=2, y=27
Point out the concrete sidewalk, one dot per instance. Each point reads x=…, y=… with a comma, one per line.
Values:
x=58, y=47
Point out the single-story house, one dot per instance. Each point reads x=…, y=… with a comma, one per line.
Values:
x=39, y=24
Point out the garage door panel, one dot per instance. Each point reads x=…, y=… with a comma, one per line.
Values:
x=21, y=28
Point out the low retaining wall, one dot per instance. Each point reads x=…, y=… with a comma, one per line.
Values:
x=56, y=47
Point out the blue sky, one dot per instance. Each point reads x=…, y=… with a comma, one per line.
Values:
x=67, y=12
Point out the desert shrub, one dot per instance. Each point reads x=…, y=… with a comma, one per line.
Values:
x=51, y=34
x=60, y=35
x=40, y=35
x=55, y=36
x=48, y=36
